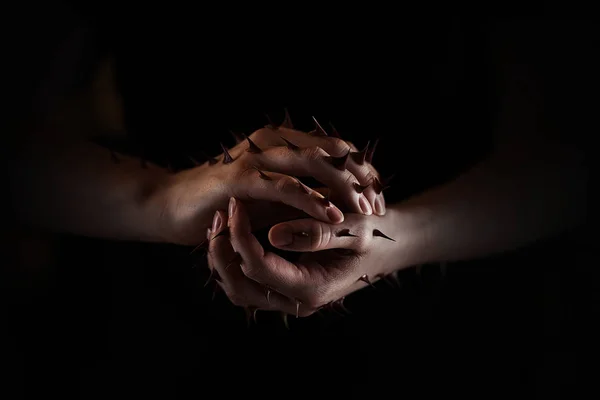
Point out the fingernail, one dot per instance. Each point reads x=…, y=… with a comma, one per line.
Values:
x=334, y=214
x=208, y=233
x=216, y=226
x=232, y=205
x=282, y=236
x=364, y=205
x=379, y=208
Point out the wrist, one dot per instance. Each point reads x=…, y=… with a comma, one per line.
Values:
x=408, y=226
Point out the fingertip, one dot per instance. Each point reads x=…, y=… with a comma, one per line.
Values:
x=379, y=206
x=335, y=215
x=364, y=205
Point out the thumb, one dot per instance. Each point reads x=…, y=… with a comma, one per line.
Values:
x=313, y=235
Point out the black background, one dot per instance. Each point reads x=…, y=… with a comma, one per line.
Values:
x=130, y=318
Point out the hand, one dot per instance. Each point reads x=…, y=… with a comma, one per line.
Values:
x=336, y=260
x=262, y=169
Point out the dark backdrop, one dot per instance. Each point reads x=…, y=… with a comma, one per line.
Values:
x=135, y=318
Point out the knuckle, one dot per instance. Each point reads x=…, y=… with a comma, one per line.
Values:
x=337, y=147
x=314, y=300
x=261, y=135
x=285, y=184
x=321, y=236
x=313, y=153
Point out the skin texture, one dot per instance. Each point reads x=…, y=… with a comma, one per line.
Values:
x=110, y=195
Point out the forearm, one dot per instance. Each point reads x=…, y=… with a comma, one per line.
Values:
x=75, y=186
x=499, y=205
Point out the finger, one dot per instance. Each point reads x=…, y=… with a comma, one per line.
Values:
x=318, y=164
x=240, y=290
x=278, y=187
x=357, y=164
x=312, y=235
x=264, y=267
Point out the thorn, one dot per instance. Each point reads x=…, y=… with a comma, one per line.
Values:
x=211, y=160
x=324, y=201
x=318, y=131
x=287, y=121
x=339, y=162
x=298, y=302
x=340, y=303
x=371, y=152
x=377, y=232
x=263, y=175
x=270, y=125
x=268, y=295
x=114, y=158
x=301, y=234
x=359, y=188
x=227, y=159
x=203, y=245
x=391, y=279
x=334, y=131
x=214, y=276
x=215, y=291
x=365, y=279
x=224, y=232
x=289, y=144
x=238, y=137
x=303, y=187
x=193, y=160
x=344, y=232
x=237, y=258
x=285, y=320
x=252, y=147
x=359, y=156
x=377, y=186
x=250, y=314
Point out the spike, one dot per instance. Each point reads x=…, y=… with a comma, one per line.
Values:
x=211, y=160
x=344, y=232
x=359, y=188
x=359, y=156
x=214, y=276
x=365, y=279
x=114, y=158
x=339, y=162
x=303, y=187
x=238, y=137
x=287, y=120
x=324, y=201
x=227, y=159
x=252, y=147
x=285, y=320
x=268, y=295
x=301, y=234
x=270, y=125
x=290, y=145
x=298, y=302
x=377, y=186
x=318, y=131
x=340, y=303
x=334, y=131
x=203, y=245
x=224, y=232
x=250, y=314
x=193, y=160
x=263, y=175
x=371, y=152
x=377, y=232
